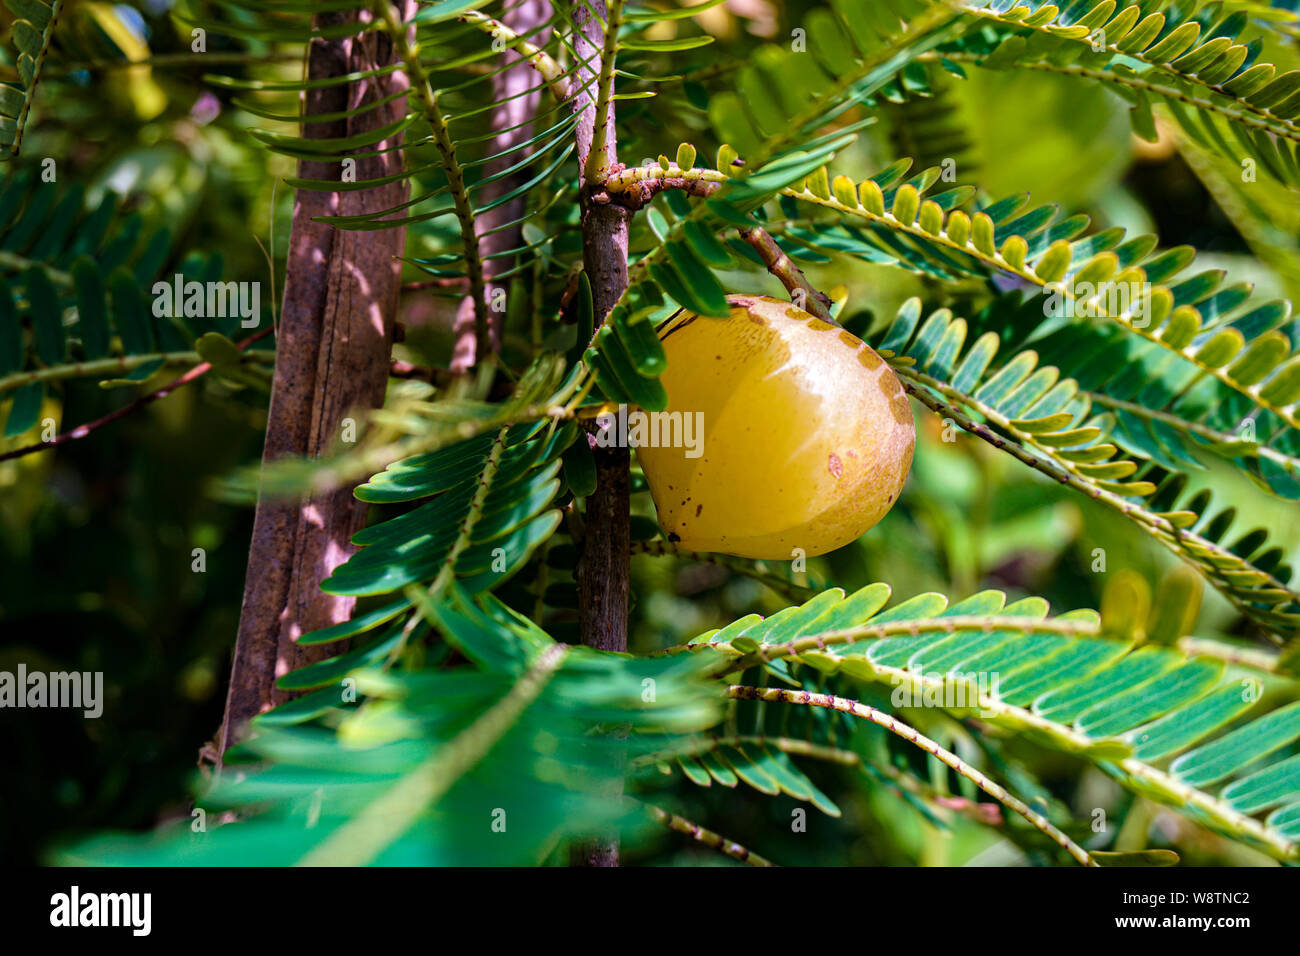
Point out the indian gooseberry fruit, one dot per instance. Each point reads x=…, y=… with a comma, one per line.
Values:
x=807, y=434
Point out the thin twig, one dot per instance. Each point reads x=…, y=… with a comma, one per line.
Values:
x=81, y=431
x=911, y=734
x=698, y=833
x=400, y=369
x=450, y=282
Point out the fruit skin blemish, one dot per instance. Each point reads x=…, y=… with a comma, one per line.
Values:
x=807, y=433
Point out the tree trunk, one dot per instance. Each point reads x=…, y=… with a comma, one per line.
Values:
x=333, y=349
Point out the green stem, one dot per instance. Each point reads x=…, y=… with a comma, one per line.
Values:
x=12, y=262
x=108, y=366
x=601, y=156
x=29, y=92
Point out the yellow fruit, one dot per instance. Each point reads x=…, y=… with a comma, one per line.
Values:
x=807, y=435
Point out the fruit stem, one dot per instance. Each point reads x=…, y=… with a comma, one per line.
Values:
x=805, y=295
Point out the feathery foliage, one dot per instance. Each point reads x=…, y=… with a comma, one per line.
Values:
x=73, y=301
x=1060, y=682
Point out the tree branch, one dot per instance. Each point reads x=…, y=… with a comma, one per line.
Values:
x=605, y=565
x=602, y=153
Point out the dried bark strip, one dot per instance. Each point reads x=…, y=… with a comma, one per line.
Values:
x=333, y=348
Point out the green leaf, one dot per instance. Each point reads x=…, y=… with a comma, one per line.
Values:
x=439, y=11
x=12, y=349
x=25, y=409
x=92, y=313
x=666, y=46
x=580, y=468
x=1057, y=683
x=46, y=315
x=218, y=351
x=1240, y=748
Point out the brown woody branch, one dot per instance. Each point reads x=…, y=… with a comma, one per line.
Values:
x=632, y=188
x=638, y=193
x=605, y=566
